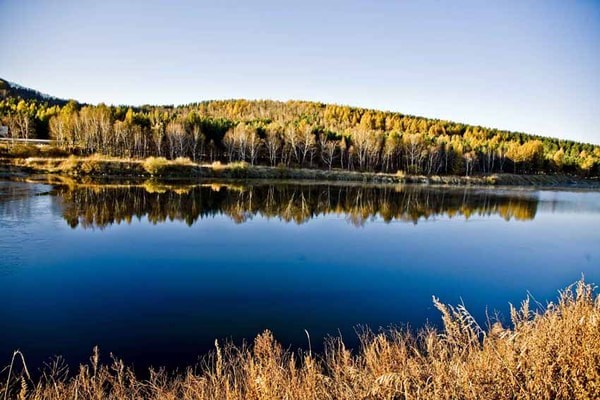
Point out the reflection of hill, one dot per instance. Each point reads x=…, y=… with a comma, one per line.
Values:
x=99, y=206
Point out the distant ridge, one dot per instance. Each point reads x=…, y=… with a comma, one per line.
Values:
x=11, y=89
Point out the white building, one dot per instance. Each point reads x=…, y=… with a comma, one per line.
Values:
x=3, y=131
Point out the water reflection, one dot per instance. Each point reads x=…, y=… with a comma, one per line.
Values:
x=89, y=206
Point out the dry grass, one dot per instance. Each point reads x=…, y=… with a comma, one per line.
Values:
x=549, y=354
x=183, y=161
x=217, y=165
x=155, y=165
x=20, y=150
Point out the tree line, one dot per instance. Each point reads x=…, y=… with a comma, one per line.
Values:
x=294, y=134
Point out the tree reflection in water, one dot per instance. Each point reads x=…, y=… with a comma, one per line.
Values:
x=102, y=205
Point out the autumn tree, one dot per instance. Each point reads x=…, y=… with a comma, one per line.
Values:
x=273, y=142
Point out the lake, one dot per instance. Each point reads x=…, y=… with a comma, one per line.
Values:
x=155, y=272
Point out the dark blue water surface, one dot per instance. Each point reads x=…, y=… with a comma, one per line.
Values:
x=154, y=273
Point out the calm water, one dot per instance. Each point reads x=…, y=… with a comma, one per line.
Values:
x=155, y=273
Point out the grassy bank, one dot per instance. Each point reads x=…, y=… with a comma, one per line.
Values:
x=544, y=354
x=183, y=168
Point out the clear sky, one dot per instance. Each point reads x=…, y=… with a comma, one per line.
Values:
x=531, y=66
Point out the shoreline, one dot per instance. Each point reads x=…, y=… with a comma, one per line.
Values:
x=105, y=168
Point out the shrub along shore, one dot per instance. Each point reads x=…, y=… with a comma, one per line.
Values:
x=98, y=166
x=551, y=353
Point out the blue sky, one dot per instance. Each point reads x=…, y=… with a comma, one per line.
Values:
x=531, y=66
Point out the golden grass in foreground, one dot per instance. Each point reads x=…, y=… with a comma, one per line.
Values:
x=551, y=354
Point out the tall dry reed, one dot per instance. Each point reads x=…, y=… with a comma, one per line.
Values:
x=545, y=354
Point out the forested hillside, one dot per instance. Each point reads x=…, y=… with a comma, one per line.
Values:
x=293, y=133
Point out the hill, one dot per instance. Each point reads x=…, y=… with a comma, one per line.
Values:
x=290, y=134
